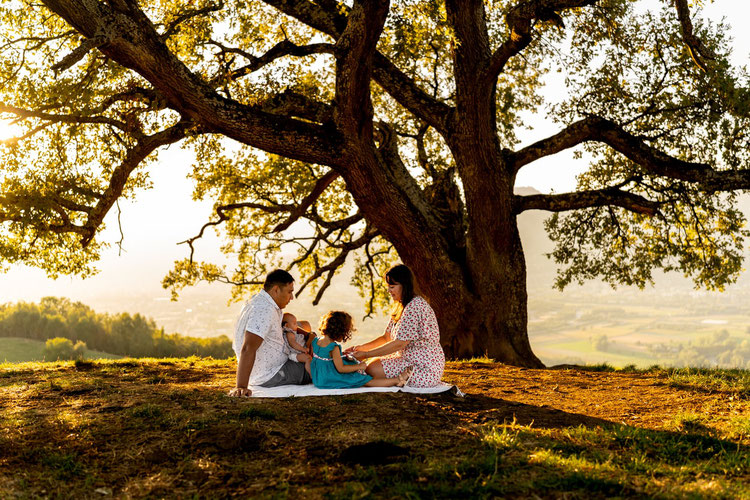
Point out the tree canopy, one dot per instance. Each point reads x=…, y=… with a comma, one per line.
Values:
x=378, y=131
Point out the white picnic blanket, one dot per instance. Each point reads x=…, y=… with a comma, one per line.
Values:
x=299, y=391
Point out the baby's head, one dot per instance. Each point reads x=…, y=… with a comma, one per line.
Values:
x=337, y=326
x=289, y=320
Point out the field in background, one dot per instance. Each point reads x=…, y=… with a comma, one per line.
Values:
x=641, y=328
x=14, y=350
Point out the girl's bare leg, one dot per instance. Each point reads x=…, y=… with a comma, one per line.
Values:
x=382, y=382
x=399, y=381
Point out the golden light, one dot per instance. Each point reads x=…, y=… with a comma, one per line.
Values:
x=8, y=130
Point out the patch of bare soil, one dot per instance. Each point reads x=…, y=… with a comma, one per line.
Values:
x=566, y=396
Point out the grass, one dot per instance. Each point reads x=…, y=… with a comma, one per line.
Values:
x=68, y=430
x=733, y=382
x=18, y=350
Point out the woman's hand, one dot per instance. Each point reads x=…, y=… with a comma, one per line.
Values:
x=351, y=350
x=360, y=355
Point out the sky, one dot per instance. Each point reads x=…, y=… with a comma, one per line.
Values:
x=163, y=216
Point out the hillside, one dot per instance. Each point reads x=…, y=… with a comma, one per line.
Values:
x=164, y=428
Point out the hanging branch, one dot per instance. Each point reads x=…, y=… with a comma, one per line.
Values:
x=698, y=51
x=186, y=16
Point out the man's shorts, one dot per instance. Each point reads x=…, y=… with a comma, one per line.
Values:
x=292, y=373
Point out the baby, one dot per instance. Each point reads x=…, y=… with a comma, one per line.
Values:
x=299, y=338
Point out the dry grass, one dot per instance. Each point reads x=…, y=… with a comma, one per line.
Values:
x=164, y=428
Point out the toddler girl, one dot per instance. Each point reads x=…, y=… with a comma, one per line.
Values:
x=330, y=371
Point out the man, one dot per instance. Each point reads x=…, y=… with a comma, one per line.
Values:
x=262, y=354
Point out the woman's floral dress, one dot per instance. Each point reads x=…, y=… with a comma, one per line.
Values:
x=417, y=325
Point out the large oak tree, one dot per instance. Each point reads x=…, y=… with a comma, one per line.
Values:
x=381, y=130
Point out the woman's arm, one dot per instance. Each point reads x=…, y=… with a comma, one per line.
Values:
x=370, y=345
x=339, y=363
x=389, y=348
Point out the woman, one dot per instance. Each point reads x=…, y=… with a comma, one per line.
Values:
x=412, y=337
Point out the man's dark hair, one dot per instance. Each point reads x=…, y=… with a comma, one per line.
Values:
x=277, y=277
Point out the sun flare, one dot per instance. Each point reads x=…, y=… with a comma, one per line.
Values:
x=8, y=130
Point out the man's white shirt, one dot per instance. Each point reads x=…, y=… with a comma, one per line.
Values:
x=262, y=316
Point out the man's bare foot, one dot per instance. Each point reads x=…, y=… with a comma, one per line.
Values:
x=404, y=376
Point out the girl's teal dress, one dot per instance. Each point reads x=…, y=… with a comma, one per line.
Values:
x=324, y=372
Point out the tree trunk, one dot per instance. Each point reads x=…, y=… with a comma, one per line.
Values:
x=486, y=314
x=480, y=298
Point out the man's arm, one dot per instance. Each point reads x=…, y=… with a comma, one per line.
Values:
x=245, y=364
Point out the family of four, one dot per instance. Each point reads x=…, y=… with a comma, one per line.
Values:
x=272, y=349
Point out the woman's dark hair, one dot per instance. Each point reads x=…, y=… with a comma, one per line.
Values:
x=337, y=326
x=402, y=275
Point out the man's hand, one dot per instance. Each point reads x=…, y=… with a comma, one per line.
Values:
x=240, y=392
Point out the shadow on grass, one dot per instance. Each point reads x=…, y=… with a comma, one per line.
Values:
x=480, y=408
x=136, y=438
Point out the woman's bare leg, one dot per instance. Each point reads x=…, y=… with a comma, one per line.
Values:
x=375, y=370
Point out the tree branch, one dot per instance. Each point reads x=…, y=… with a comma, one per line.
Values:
x=293, y=104
x=187, y=15
x=354, y=53
x=324, y=17
x=636, y=149
x=612, y=196
x=407, y=93
x=79, y=53
x=598, y=129
x=309, y=200
x=121, y=173
x=520, y=23
x=135, y=44
x=25, y=205
x=698, y=51
x=331, y=268
x=281, y=49
x=63, y=118
x=734, y=97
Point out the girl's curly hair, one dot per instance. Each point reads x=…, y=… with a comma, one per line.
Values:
x=337, y=326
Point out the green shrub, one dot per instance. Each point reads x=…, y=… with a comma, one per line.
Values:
x=58, y=348
x=79, y=350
